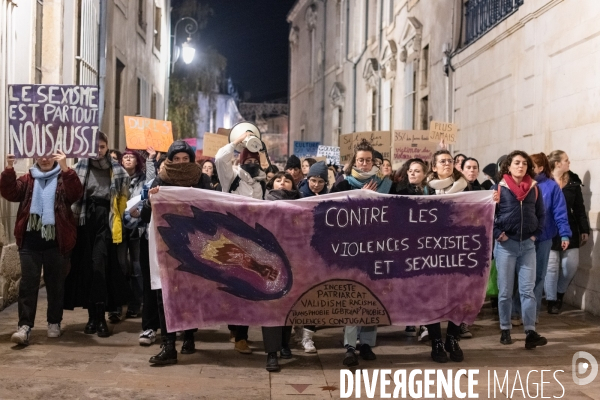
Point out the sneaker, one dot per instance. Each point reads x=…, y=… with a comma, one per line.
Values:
x=53, y=330
x=366, y=353
x=21, y=336
x=307, y=342
x=423, y=334
x=241, y=346
x=350, y=359
x=465, y=333
x=147, y=337
x=516, y=321
x=533, y=339
x=410, y=331
x=438, y=354
x=298, y=333
x=505, y=338
x=452, y=347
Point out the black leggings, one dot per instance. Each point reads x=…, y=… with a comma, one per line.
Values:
x=435, y=330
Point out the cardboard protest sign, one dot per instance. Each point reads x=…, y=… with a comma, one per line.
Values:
x=141, y=133
x=412, y=144
x=442, y=131
x=212, y=143
x=45, y=118
x=380, y=140
x=332, y=153
x=355, y=258
x=306, y=149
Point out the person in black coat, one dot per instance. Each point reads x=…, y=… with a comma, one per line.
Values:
x=562, y=264
x=470, y=169
x=410, y=178
x=179, y=169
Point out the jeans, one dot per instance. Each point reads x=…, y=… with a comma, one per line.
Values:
x=517, y=257
x=54, y=264
x=542, y=253
x=562, y=266
x=368, y=335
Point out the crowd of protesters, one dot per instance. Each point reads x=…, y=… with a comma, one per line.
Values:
x=94, y=250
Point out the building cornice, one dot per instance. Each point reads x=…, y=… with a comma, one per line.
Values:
x=296, y=9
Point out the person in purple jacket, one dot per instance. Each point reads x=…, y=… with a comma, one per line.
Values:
x=556, y=223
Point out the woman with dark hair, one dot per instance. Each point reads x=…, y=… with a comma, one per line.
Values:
x=458, y=160
x=208, y=168
x=386, y=168
x=96, y=281
x=563, y=263
x=133, y=163
x=519, y=221
x=361, y=173
x=45, y=232
x=116, y=155
x=470, y=169
x=306, y=164
x=271, y=171
x=179, y=169
x=445, y=179
x=489, y=171
x=410, y=179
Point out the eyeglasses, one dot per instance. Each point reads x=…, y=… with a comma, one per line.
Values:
x=446, y=161
x=364, y=160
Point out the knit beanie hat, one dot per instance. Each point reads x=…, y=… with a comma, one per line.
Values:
x=378, y=155
x=293, y=162
x=246, y=154
x=319, y=169
x=180, y=146
x=491, y=170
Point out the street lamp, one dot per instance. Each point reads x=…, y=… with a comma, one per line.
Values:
x=187, y=50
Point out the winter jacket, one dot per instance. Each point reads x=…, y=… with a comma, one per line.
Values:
x=248, y=186
x=344, y=186
x=305, y=191
x=473, y=186
x=411, y=190
x=68, y=191
x=519, y=220
x=578, y=219
x=557, y=222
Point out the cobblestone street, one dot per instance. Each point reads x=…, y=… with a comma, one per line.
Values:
x=79, y=366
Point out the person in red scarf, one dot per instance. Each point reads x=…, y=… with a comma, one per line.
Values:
x=518, y=222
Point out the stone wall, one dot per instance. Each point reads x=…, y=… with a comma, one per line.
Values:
x=10, y=271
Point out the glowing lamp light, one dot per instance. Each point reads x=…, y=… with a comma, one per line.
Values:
x=187, y=52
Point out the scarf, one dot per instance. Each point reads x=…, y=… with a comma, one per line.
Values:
x=305, y=191
x=41, y=212
x=181, y=174
x=357, y=179
x=119, y=185
x=448, y=185
x=282, y=194
x=521, y=190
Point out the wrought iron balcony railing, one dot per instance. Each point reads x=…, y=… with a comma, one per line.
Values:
x=483, y=15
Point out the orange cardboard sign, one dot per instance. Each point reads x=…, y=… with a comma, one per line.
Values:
x=141, y=133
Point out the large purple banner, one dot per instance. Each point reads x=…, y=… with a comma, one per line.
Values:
x=353, y=258
x=45, y=118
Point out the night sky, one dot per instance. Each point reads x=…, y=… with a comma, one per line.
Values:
x=253, y=36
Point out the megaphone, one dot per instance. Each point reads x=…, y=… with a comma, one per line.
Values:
x=252, y=142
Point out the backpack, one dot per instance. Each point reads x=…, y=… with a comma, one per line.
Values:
x=236, y=183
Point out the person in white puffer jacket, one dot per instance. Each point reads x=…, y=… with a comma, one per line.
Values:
x=249, y=180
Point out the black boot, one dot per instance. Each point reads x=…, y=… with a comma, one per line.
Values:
x=559, y=301
x=102, y=327
x=167, y=355
x=272, y=363
x=189, y=345
x=533, y=339
x=452, y=347
x=90, y=327
x=552, y=307
x=437, y=351
x=505, y=337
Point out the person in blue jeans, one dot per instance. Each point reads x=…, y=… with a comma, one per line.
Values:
x=518, y=223
x=556, y=223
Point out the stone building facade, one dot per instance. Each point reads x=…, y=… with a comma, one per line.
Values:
x=513, y=74
x=58, y=42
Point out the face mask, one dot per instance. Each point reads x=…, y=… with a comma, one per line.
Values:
x=251, y=169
